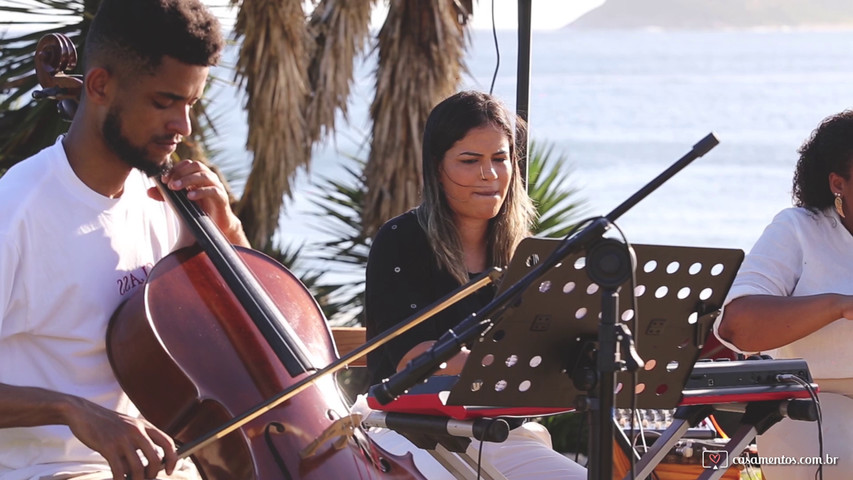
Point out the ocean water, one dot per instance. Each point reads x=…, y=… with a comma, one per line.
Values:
x=623, y=106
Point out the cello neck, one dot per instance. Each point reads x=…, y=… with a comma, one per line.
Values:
x=241, y=281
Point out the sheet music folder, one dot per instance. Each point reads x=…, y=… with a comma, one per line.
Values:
x=524, y=360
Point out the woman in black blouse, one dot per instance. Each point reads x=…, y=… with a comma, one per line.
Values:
x=474, y=212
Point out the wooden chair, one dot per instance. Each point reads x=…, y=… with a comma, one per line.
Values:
x=348, y=339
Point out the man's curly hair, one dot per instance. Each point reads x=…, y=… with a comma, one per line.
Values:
x=128, y=37
x=828, y=150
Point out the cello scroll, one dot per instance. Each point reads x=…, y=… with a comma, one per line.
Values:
x=56, y=55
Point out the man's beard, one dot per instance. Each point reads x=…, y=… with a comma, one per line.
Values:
x=134, y=156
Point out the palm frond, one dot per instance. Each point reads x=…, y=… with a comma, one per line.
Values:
x=345, y=255
x=27, y=125
x=339, y=29
x=293, y=259
x=342, y=258
x=272, y=67
x=551, y=191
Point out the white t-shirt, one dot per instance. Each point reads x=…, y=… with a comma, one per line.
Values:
x=803, y=253
x=68, y=257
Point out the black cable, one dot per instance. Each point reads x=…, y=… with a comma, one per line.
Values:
x=497, y=50
x=751, y=473
x=480, y=451
x=634, y=439
x=479, y=460
x=788, y=377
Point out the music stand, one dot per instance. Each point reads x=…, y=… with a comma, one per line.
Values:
x=528, y=357
x=555, y=346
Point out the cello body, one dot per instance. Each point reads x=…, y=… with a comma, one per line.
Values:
x=189, y=357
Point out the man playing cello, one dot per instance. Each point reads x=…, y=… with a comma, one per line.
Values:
x=81, y=226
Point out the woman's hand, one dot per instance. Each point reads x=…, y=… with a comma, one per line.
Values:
x=451, y=367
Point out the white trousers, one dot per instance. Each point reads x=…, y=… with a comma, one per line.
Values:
x=525, y=455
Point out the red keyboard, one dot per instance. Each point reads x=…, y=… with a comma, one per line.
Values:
x=709, y=383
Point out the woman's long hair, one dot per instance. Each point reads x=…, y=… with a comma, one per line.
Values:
x=448, y=123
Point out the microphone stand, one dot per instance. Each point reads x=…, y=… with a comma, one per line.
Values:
x=476, y=324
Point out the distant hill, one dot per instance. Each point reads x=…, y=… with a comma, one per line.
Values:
x=718, y=14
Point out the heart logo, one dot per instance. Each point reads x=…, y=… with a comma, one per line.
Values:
x=715, y=459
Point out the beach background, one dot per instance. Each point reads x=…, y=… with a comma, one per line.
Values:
x=622, y=105
x=622, y=92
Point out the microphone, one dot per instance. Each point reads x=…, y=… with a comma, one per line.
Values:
x=483, y=429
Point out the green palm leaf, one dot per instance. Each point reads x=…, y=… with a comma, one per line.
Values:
x=550, y=188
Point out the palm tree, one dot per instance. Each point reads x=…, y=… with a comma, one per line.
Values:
x=297, y=75
x=304, y=76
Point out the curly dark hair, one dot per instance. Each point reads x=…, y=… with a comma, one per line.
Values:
x=132, y=36
x=828, y=150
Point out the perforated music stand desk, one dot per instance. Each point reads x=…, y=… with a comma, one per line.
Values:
x=525, y=360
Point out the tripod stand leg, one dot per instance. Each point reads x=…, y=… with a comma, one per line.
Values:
x=660, y=448
x=757, y=419
x=683, y=419
x=734, y=447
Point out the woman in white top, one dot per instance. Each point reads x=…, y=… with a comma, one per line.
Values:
x=793, y=298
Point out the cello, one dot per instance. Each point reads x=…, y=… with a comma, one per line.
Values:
x=214, y=334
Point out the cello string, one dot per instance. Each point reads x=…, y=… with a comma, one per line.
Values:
x=254, y=299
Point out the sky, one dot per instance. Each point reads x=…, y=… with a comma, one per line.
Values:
x=546, y=14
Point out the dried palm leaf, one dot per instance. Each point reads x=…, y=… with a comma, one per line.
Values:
x=340, y=31
x=272, y=66
x=421, y=49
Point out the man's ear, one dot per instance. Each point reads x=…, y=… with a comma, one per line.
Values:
x=98, y=84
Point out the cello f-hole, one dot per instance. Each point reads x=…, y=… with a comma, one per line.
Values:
x=268, y=434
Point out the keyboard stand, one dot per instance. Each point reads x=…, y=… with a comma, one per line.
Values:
x=683, y=419
x=757, y=418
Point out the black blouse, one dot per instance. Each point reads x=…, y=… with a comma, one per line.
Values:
x=402, y=279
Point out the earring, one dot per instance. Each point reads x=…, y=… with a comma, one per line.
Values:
x=839, y=205
x=482, y=175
